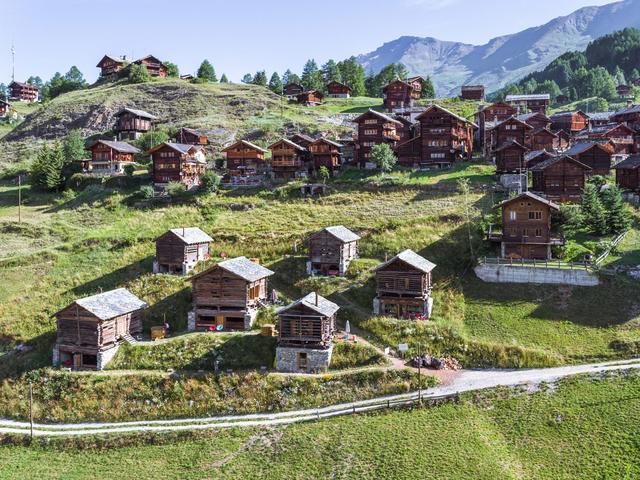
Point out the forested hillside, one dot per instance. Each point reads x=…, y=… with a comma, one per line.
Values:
x=607, y=62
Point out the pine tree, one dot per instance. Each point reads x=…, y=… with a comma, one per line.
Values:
x=428, y=91
x=593, y=211
x=260, y=78
x=248, y=78
x=172, y=70
x=311, y=76
x=275, y=84
x=224, y=79
x=39, y=167
x=618, y=218
x=207, y=72
x=331, y=72
x=53, y=170
x=138, y=74
x=74, y=147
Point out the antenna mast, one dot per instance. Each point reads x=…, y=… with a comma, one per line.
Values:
x=13, y=62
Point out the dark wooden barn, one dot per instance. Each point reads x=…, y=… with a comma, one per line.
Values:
x=179, y=250
x=131, y=123
x=537, y=102
x=227, y=296
x=472, y=92
x=628, y=173
x=560, y=179
x=338, y=90
x=153, y=65
x=305, y=335
x=596, y=155
x=403, y=287
x=245, y=163
x=109, y=157
x=331, y=250
x=310, y=98
x=288, y=160
x=23, y=92
x=374, y=128
x=325, y=153
x=109, y=66
x=509, y=157
x=526, y=228
x=177, y=162
x=292, y=90
x=532, y=158
x=571, y=122
x=90, y=329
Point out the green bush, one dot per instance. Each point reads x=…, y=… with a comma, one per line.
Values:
x=80, y=181
x=210, y=182
x=352, y=355
x=146, y=192
x=129, y=169
x=176, y=189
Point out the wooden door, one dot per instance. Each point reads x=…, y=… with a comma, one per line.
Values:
x=302, y=361
x=219, y=320
x=77, y=360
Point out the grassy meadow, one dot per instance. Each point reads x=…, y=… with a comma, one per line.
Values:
x=582, y=428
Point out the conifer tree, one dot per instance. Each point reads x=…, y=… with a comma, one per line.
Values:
x=53, y=170
x=247, y=78
x=593, y=212
x=311, y=76
x=618, y=218
x=207, y=72
x=224, y=79
x=260, y=78
x=275, y=84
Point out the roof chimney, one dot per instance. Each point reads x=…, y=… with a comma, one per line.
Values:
x=316, y=298
x=629, y=103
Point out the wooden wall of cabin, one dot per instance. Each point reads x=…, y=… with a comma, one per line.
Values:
x=526, y=220
x=597, y=159
x=399, y=279
x=301, y=326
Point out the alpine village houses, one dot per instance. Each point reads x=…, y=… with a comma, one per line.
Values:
x=331, y=250
x=628, y=173
x=305, y=336
x=444, y=139
x=403, y=287
x=402, y=94
x=153, y=65
x=111, y=66
x=131, y=123
x=179, y=250
x=596, y=155
x=109, y=157
x=338, y=90
x=90, y=330
x=560, y=179
x=533, y=102
x=177, y=162
x=227, y=295
x=374, y=128
x=288, y=160
x=245, y=163
x=526, y=228
x=472, y=92
x=325, y=153
x=23, y=92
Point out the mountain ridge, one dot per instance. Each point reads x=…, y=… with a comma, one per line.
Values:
x=506, y=58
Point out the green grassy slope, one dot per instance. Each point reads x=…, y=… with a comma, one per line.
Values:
x=586, y=429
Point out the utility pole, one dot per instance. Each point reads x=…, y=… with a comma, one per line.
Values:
x=19, y=198
x=31, y=408
x=13, y=62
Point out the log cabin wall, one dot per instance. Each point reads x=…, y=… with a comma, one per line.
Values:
x=574, y=122
x=301, y=326
x=242, y=160
x=286, y=161
x=172, y=252
x=510, y=159
x=374, y=130
x=101, y=153
x=399, y=279
x=526, y=229
x=167, y=165
x=510, y=130
x=23, y=91
x=628, y=178
x=220, y=297
x=324, y=154
x=499, y=112
x=541, y=140
x=328, y=254
x=444, y=138
x=398, y=95
x=128, y=122
x=596, y=158
x=410, y=152
x=562, y=181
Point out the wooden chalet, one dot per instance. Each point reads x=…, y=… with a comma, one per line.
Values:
x=179, y=250
x=597, y=155
x=305, y=335
x=526, y=228
x=177, y=162
x=623, y=91
x=560, y=179
x=628, y=173
x=193, y=136
x=403, y=287
x=109, y=157
x=400, y=94
x=542, y=139
x=509, y=157
x=245, y=163
x=310, y=97
x=496, y=112
x=325, y=153
x=533, y=102
x=338, y=90
x=302, y=140
x=153, y=65
x=620, y=136
x=292, y=90
x=599, y=118
x=406, y=129
x=564, y=141
x=375, y=128
x=23, y=92
x=510, y=130
x=534, y=157
x=630, y=116
x=288, y=160
x=90, y=330
x=472, y=92
x=5, y=108
x=188, y=77
x=227, y=296
x=444, y=138
x=131, y=123
x=571, y=122
x=331, y=250
x=110, y=66
x=535, y=119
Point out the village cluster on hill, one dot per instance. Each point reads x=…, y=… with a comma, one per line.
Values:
x=557, y=152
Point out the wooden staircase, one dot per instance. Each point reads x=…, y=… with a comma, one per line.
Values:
x=127, y=338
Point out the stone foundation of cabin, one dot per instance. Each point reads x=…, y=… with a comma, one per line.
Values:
x=249, y=318
x=303, y=360
x=184, y=270
x=191, y=321
x=536, y=275
x=55, y=361
x=514, y=182
x=426, y=311
x=342, y=269
x=105, y=357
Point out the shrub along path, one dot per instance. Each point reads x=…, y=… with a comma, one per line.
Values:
x=467, y=381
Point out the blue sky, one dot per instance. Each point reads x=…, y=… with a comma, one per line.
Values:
x=240, y=36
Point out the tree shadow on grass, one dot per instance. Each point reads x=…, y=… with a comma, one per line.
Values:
x=116, y=278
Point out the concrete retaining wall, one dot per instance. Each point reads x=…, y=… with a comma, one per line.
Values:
x=523, y=274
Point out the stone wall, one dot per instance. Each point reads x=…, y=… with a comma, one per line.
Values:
x=536, y=275
x=317, y=360
x=105, y=357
